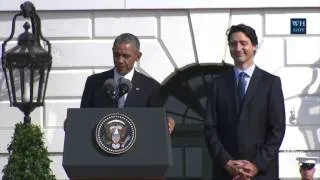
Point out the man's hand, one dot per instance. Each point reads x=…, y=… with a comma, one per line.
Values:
x=241, y=169
x=232, y=168
x=250, y=168
x=171, y=124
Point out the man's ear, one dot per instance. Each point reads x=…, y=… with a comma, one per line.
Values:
x=139, y=54
x=255, y=49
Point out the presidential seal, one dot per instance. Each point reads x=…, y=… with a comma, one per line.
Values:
x=115, y=133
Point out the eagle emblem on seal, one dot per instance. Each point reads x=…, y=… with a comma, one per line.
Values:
x=115, y=133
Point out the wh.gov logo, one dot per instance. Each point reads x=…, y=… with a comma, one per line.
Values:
x=298, y=25
x=115, y=133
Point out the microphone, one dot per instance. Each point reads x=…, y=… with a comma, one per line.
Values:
x=109, y=86
x=125, y=86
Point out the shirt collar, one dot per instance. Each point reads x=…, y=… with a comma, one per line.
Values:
x=248, y=71
x=128, y=76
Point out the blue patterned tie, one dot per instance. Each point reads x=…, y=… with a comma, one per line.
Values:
x=120, y=99
x=241, y=85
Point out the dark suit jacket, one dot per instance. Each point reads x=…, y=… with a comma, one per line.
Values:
x=144, y=93
x=253, y=132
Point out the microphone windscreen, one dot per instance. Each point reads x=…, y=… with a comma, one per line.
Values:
x=126, y=84
x=109, y=86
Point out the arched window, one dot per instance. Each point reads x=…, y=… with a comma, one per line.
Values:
x=186, y=95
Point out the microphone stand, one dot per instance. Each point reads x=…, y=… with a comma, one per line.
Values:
x=115, y=101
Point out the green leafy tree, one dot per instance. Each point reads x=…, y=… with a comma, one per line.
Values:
x=28, y=158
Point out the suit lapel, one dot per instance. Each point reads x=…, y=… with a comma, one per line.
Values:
x=253, y=86
x=132, y=95
x=231, y=87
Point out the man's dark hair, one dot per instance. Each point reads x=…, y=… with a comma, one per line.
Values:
x=127, y=38
x=247, y=30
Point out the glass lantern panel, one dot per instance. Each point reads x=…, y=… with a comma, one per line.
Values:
x=40, y=76
x=16, y=86
x=22, y=86
x=23, y=79
x=9, y=91
x=29, y=83
x=36, y=77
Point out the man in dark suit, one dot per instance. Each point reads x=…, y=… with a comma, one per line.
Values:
x=245, y=119
x=145, y=91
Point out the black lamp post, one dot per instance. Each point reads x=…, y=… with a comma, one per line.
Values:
x=26, y=66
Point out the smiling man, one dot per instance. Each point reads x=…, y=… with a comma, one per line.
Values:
x=245, y=121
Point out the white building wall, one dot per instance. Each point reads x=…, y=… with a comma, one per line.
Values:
x=174, y=34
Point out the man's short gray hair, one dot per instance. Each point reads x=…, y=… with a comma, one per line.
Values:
x=127, y=38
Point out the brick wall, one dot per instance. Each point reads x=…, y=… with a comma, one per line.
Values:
x=173, y=36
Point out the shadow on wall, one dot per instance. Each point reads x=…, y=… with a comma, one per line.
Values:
x=308, y=117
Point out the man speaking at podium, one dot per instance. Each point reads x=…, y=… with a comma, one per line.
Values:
x=123, y=86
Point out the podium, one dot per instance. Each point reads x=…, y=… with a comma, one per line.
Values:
x=148, y=158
